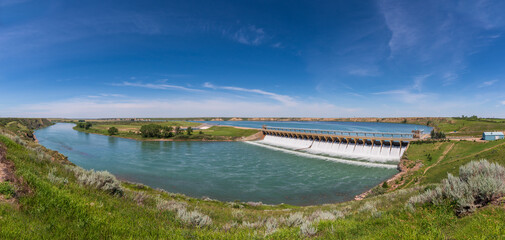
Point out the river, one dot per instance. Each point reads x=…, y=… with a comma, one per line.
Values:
x=226, y=171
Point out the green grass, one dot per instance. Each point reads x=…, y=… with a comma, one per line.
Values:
x=229, y=131
x=475, y=128
x=462, y=153
x=68, y=210
x=7, y=190
x=215, y=133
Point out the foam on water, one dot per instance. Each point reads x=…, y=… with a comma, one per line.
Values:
x=309, y=155
x=356, y=151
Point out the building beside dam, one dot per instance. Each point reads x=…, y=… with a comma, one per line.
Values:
x=373, y=146
x=490, y=136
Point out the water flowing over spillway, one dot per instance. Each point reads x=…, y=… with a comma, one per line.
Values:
x=368, y=152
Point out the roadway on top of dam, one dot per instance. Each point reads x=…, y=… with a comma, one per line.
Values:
x=339, y=135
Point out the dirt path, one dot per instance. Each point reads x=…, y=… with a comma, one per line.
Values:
x=477, y=153
x=3, y=166
x=440, y=158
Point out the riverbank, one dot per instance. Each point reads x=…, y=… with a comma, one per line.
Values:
x=214, y=133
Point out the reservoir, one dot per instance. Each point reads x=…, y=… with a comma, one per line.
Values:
x=225, y=171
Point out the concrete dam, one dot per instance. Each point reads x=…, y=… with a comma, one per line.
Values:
x=367, y=146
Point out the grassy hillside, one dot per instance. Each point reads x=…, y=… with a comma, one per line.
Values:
x=53, y=199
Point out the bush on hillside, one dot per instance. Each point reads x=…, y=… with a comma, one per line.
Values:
x=101, y=180
x=479, y=183
x=194, y=218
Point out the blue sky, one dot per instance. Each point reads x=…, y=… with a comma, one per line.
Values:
x=252, y=58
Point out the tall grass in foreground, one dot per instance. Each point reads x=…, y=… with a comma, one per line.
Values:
x=479, y=183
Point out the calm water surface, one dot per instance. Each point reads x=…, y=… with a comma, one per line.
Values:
x=225, y=171
x=342, y=126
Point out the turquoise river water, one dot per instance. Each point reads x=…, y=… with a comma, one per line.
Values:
x=225, y=171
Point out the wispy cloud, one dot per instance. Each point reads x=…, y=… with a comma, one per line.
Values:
x=449, y=78
x=161, y=86
x=405, y=95
x=411, y=94
x=503, y=102
x=104, y=95
x=281, y=98
x=249, y=35
x=364, y=72
x=488, y=83
x=404, y=33
x=419, y=80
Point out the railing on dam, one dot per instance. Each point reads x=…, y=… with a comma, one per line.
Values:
x=396, y=136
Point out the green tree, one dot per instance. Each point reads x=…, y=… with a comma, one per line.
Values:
x=178, y=130
x=189, y=130
x=437, y=135
x=85, y=125
x=167, y=132
x=151, y=130
x=113, y=131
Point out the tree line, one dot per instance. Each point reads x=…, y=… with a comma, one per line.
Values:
x=155, y=130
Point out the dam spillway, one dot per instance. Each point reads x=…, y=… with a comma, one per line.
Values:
x=368, y=146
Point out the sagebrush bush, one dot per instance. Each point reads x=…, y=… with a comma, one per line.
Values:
x=479, y=183
x=368, y=207
x=322, y=215
x=194, y=218
x=252, y=225
x=295, y=219
x=271, y=225
x=171, y=205
x=307, y=229
x=102, y=180
x=51, y=176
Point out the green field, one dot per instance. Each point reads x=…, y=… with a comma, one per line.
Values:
x=131, y=130
x=459, y=154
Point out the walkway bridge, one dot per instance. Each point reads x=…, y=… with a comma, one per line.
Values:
x=343, y=143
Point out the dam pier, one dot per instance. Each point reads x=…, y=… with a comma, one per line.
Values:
x=373, y=146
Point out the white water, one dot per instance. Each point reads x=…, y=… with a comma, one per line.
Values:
x=373, y=153
x=304, y=154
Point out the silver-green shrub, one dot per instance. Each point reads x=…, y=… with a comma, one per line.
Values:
x=271, y=226
x=51, y=176
x=295, y=219
x=194, y=218
x=479, y=183
x=102, y=180
x=307, y=229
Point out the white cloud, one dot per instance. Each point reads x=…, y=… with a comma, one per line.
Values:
x=404, y=33
x=449, y=78
x=405, y=95
x=92, y=108
x=419, y=80
x=281, y=98
x=250, y=35
x=157, y=86
x=487, y=83
x=364, y=72
x=103, y=95
x=503, y=102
